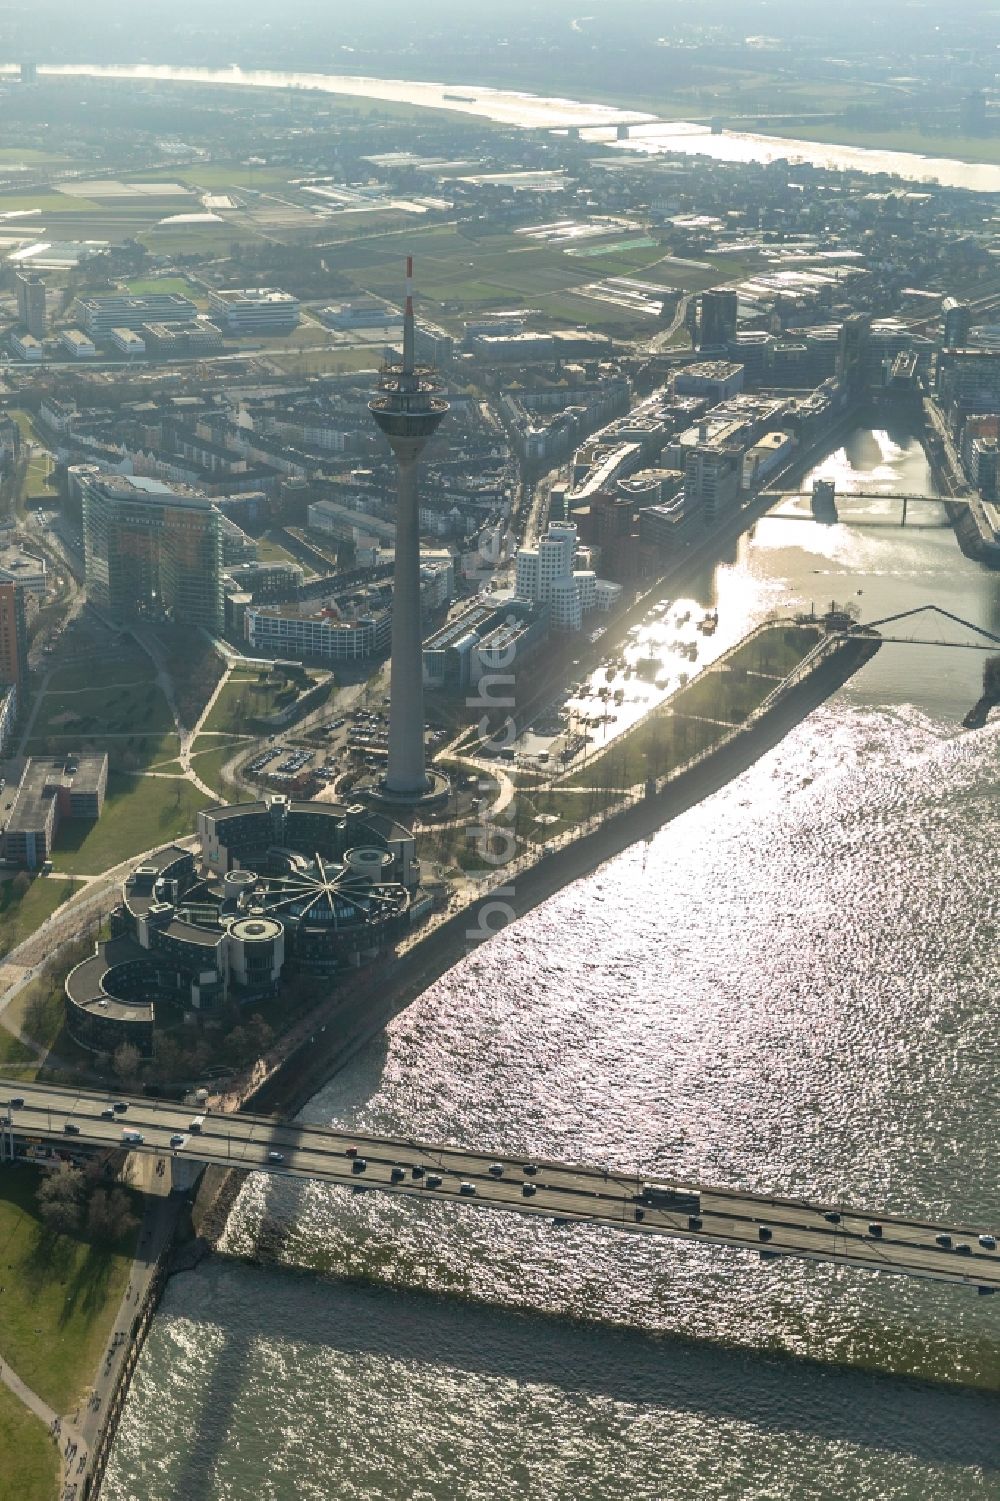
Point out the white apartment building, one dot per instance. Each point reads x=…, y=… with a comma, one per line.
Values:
x=127, y=340
x=100, y=314
x=255, y=310
x=78, y=344
x=26, y=346
x=289, y=631
x=545, y=575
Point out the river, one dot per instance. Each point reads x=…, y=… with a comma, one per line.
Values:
x=791, y=988
x=598, y=121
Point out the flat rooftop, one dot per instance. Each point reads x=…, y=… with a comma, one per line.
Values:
x=43, y=776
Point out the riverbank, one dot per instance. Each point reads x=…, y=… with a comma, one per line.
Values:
x=529, y=111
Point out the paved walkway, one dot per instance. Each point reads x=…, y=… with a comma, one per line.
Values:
x=149, y=644
x=23, y=1393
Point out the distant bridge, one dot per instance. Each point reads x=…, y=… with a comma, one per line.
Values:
x=829, y=511
x=565, y=1195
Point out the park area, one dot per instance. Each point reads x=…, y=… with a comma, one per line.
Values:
x=60, y=1292
x=699, y=716
x=25, y=903
x=121, y=710
x=30, y=1458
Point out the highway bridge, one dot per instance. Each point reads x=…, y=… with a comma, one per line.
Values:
x=562, y=1193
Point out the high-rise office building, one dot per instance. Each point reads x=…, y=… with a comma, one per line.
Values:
x=957, y=323
x=719, y=316
x=852, y=350
x=151, y=551
x=408, y=408
x=13, y=637
x=31, y=303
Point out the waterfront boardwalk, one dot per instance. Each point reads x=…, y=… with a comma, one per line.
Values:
x=565, y=1194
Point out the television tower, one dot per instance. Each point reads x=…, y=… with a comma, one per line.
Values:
x=408, y=409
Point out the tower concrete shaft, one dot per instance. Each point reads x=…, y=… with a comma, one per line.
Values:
x=408, y=410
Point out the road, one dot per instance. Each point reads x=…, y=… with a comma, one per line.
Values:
x=562, y=1192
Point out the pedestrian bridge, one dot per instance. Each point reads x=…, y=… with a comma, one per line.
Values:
x=986, y=640
x=562, y=1193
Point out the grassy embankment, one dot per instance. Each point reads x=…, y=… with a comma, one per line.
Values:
x=29, y=1460
x=699, y=715
x=20, y=914
x=984, y=150
x=60, y=1295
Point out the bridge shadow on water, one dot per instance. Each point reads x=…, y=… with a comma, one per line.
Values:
x=778, y=1394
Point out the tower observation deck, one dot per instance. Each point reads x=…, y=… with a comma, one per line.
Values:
x=408, y=408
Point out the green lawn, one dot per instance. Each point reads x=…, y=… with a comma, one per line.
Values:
x=982, y=149
x=129, y=704
x=271, y=551
x=177, y=284
x=132, y=667
x=14, y=1054
x=208, y=763
x=122, y=710
x=29, y=1460
x=242, y=699
x=24, y=422
x=326, y=361
x=126, y=707
x=59, y=1299
x=39, y=1010
x=36, y=480
x=19, y=917
x=140, y=813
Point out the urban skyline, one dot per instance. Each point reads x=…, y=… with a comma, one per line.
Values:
x=499, y=696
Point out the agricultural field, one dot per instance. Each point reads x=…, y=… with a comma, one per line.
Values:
x=457, y=273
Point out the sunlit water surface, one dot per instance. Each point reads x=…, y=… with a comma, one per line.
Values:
x=792, y=988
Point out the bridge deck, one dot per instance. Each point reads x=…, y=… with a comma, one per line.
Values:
x=563, y=1193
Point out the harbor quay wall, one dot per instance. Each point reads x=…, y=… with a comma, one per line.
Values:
x=116, y=1399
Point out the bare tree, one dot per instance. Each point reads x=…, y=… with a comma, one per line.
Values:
x=126, y=1062
x=60, y=1198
